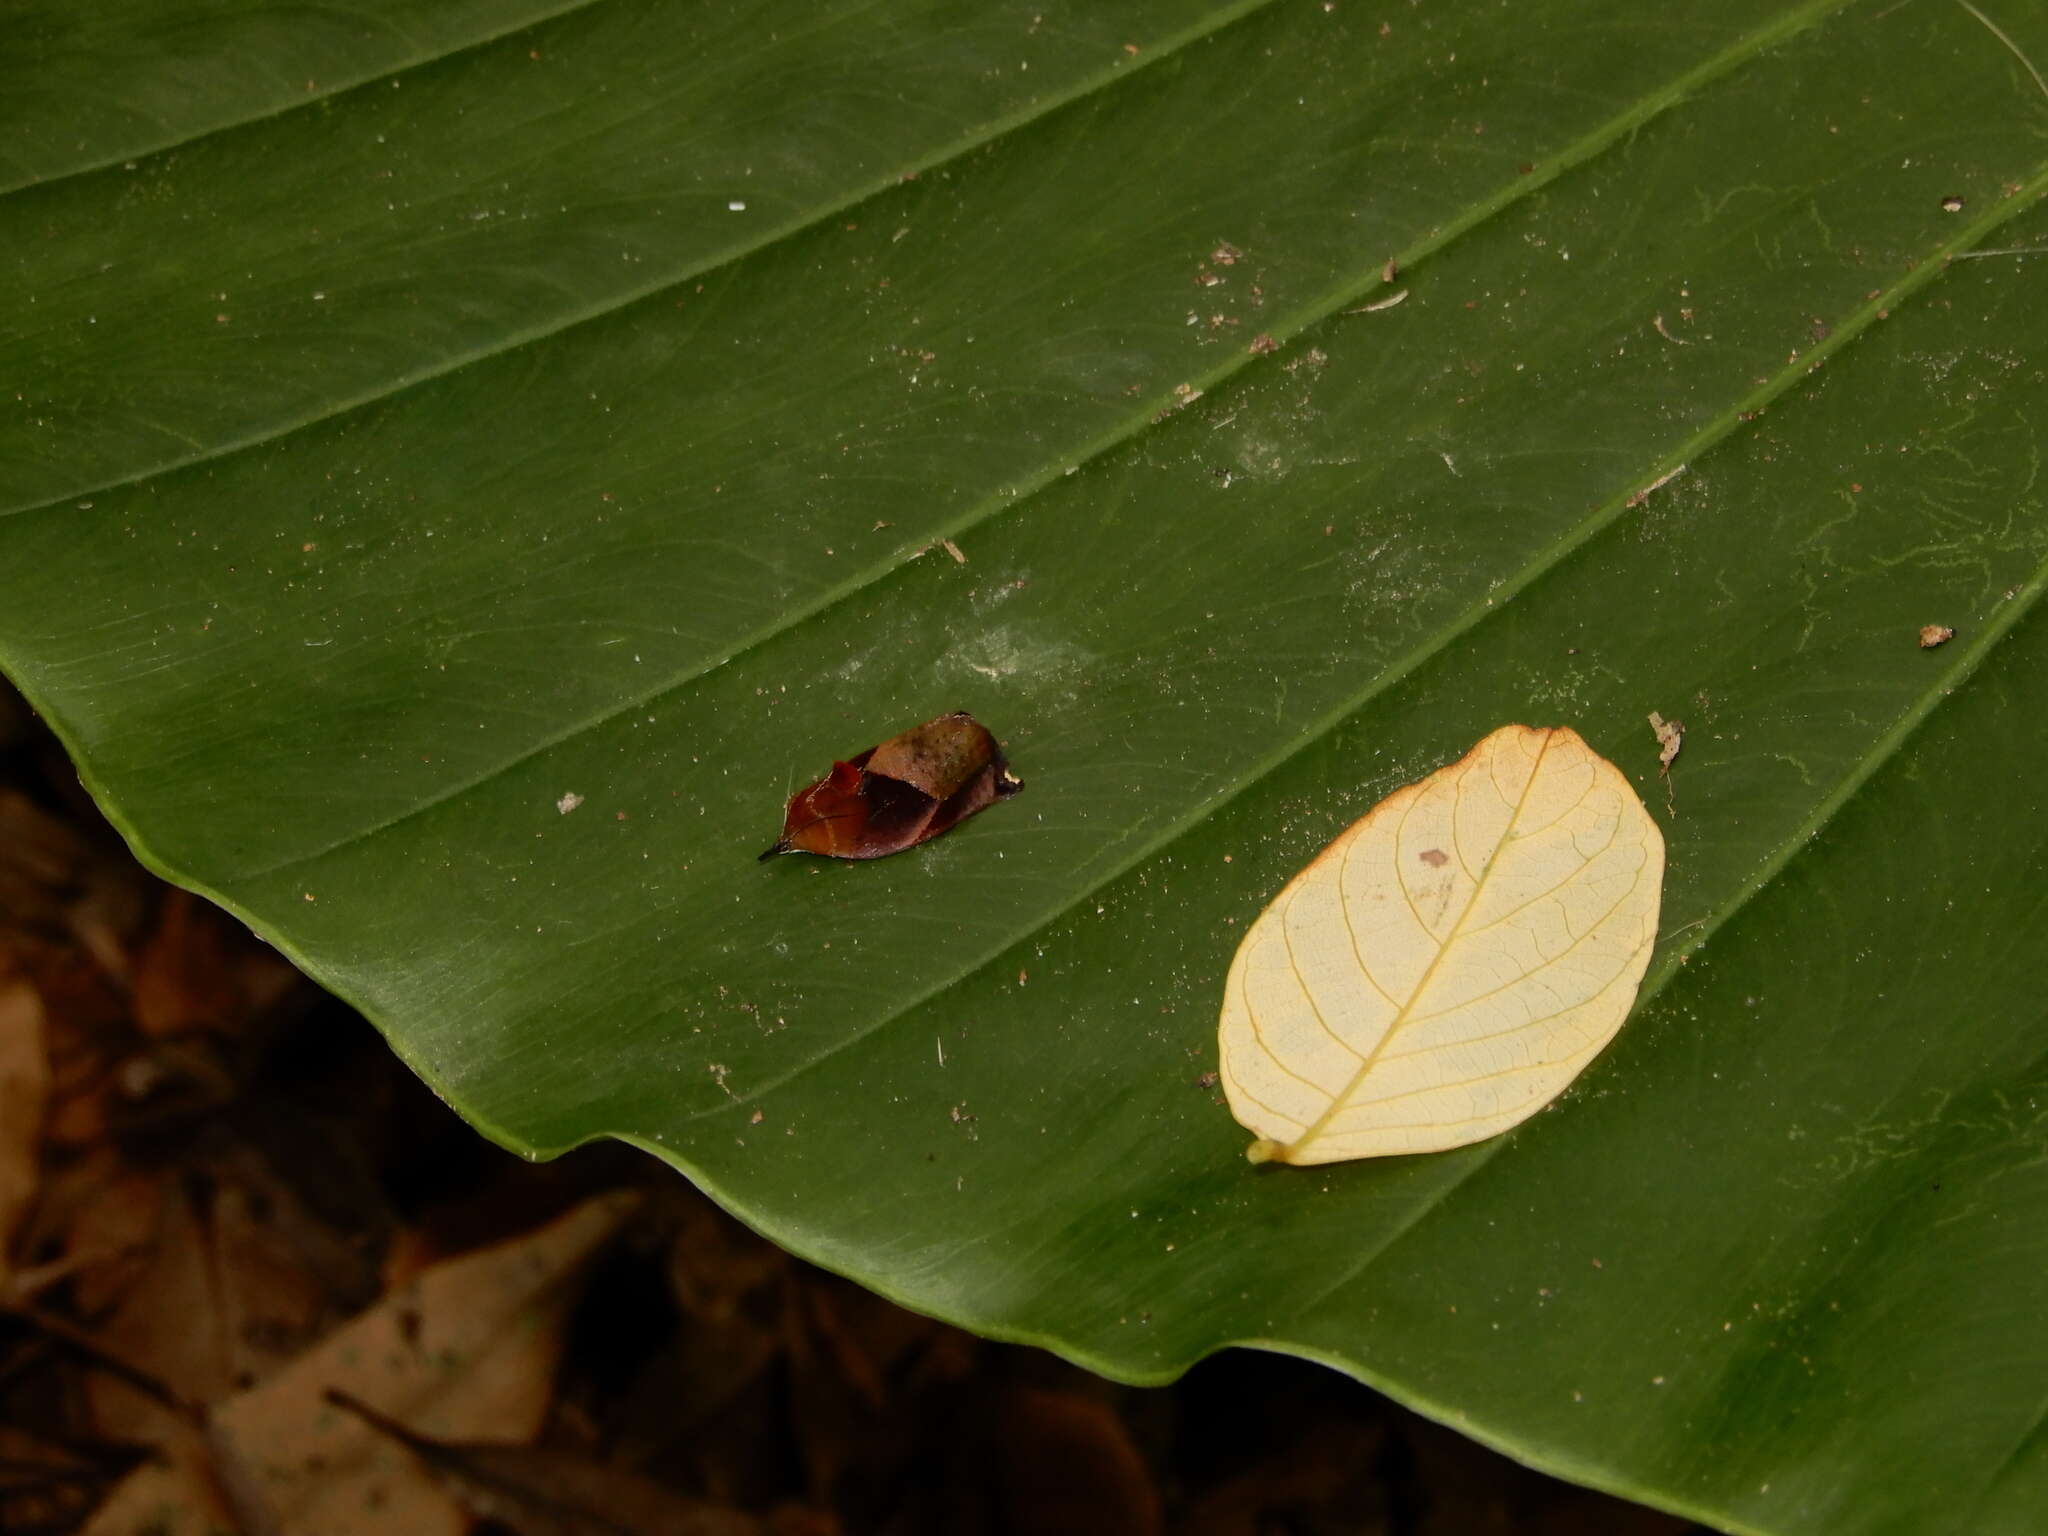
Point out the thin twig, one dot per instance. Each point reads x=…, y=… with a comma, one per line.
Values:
x=75, y=1338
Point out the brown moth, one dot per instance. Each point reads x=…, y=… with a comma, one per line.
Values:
x=899, y=794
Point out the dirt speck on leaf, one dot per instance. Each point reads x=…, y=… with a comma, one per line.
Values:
x=1670, y=740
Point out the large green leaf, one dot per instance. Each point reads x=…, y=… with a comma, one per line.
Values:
x=548, y=400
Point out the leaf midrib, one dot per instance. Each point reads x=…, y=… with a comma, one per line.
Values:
x=1340, y=1101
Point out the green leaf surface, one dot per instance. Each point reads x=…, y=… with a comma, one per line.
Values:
x=571, y=400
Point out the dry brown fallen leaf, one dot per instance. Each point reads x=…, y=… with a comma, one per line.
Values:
x=191, y=974
x=160, y=1312
x=466, y=1351
x=535, y=1491
x=1069, y=1464
x=1451, y=962
x=24, y=1088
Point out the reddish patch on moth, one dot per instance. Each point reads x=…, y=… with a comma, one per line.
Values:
x=904, y=792
x=1435, y=858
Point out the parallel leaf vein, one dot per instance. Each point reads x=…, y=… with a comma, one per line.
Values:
x=1283, y=329
x=1497, y=603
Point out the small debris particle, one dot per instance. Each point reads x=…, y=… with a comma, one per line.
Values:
x=568, y=802
x=1022, y=977
x=1207, y=279
x=1435, y=858
x=756, y=1118
x=959, y=558
x=1670, y=739
x=1390, y=271
x=1206, y=1080
x=1935, y=635
x=737, y=205
x=1261, y=344
x=1951, y=204
x=1185, y=394
x=1131, y=49
x=1377, y=305
x=1676, y=341
x=1226, y=255
x=1657, y=484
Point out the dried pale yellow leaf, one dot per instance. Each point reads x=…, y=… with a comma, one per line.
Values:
x=1444, y=968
